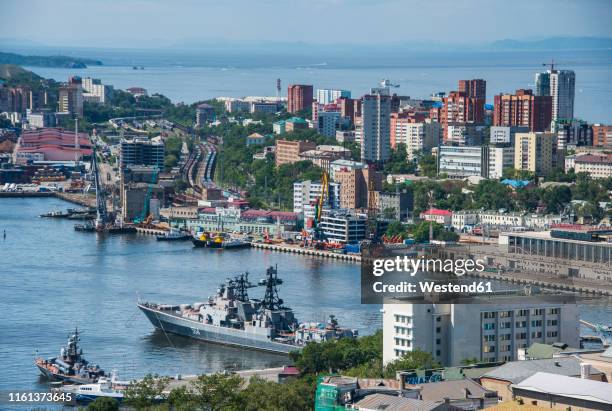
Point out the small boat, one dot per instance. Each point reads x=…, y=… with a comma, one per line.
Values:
x=174, y=235
x=55, y=214
x=88, y=227
x=85, y=393
x=219, y=240
x=70, y=366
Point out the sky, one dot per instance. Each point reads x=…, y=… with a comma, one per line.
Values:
x=172, y=23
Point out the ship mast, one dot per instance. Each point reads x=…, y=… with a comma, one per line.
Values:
x=271, y=300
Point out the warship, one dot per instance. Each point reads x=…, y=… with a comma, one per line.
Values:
x=231, y=317
x=70, y=366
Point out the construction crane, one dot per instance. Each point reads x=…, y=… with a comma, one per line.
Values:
x=317, y=236
x=101, y=213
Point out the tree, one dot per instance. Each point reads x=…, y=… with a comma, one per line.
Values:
x=217, y=391
x=491, y=195
x=398, y=163
x=146, y=392
x=411, y=360
x=103, y=404
x=428, y=165
x=269, y=396
x=556, y=198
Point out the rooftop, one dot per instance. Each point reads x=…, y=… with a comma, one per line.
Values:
x=517, y=371
x=437, y=211
x=394, y=403
x=453, y=389
x=569, y=387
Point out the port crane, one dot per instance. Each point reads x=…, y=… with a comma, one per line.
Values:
x=101, y=211
x=146, y=216
x=316, y=237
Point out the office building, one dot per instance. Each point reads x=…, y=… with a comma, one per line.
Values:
x=523, y=109
x=288, y=152
x=542, y=84
x=237, y=105
x=375, y=127
x=343, y=226
x=326, y=96
x=489, y=333
x=299, y=97
x=263, y=107
x=504, y=134
x=306, y=195
x=394, y=205
x=462, y=134
x=535, y=152
x=141, y=152
x=500, y=159
x=595, y=165
x=562, y=91
x=463, y=162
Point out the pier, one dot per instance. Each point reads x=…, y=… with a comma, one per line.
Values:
x=285, y=248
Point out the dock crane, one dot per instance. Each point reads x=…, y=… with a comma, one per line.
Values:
x=317, y=236
x=101, y=212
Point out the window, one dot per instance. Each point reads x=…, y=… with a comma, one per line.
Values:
x=507, y=324
x=489, y=338
x=536, y=323
x=554, y=311
x=538, y=311
x=536, y=334
x=505, y=337
x=489, y=314
x=552, y=322
x=523, y=313
x=438, y=330
x=438, y=341
x=521, y=324
x=552, y=334
x=505, y=314
x=438, y=353
x=521, y=336
x=489, y=326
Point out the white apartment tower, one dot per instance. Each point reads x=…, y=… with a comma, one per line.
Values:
x=375, y=127
x=490, y=333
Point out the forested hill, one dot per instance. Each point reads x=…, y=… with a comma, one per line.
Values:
x=47, y=61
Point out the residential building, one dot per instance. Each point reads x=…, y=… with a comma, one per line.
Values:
x=542, y=84
x=560, y=392
x=595, y=165
x=343, y=165
x=299, y=97
x=505, y=134
x=462, y=134
x=497, y=219
x=343, y=226
x=94, y=91
x=295, y=123
x=263, y=107
x=501, y=157
x=71, y=97
x=462, y=220
x=562, y=91
x=463, y=162
x=306, y=195
x=141, y=152
x=288, y=152
x=476, y=91
x=573, y=134
x=327, y=122
x=205, y=113
x=503, y=378
x=375, y=128
x=535, y=152
x=278, y=127
x=602, y=136
x=463, y=106
x=41, y=119
x=326, y=96
x=346, y=136
x=394, y=205
x=137, y=91
x=465, y=394
x=489, y=333
x=356, y=185
x=349, y=108
x=418, y=137
x=255, y=139
x=324, y=155
x=237, y=105
x=436, y=215
x=523, y=109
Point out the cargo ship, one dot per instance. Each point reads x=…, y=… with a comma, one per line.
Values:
x=70, y=366
x=231, y=317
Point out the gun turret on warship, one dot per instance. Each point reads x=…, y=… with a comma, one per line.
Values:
x=70, y=366
x=232, y=318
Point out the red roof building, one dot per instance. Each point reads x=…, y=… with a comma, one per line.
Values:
x=52, y=144
x=436, y=215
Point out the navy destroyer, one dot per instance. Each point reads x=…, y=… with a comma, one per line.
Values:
x=232, y=318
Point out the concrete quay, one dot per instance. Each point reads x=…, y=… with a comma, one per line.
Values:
x=286, y=248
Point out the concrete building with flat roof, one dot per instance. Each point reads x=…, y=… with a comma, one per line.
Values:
x=535, y=152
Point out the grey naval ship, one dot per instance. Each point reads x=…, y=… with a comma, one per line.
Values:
x=232, y=318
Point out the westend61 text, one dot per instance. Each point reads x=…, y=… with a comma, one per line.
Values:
x=432, y=287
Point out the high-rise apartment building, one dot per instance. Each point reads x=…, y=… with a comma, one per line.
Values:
x=94, y=91
x=602, y=135
x=535, y=152
x=523, y=109
x=141, y=152
x=562, y=91
x=463, y=106
x=453, y=333
x=71, y=97
x=355, y=185
x=375, y=127
x=418, y=137
x=307, y=193
x=326, y=96
x=299, y=97
x=500, y=158
x=542, y=84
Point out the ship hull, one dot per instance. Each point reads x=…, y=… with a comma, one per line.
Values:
x=64, y=378
x=219, y=335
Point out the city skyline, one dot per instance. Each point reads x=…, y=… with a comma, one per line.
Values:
x=139, y=24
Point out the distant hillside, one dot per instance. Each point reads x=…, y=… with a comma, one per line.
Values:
x=556, y=43
x=14, y=75
x=47, y=61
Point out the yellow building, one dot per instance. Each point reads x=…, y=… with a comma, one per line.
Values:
x=535, y=152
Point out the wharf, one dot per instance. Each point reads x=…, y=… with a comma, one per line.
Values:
x=286, y=248
x=151, y=231
x=85, y=200
x=26, y=194
x=268, y=374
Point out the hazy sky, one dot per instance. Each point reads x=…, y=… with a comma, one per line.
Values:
x=137, y=23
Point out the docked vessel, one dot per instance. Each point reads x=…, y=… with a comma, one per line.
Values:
x=219, y=240
x=108, y=388
x=56, y=214
x=70, y=366
x=232, y=318
x=174, y=235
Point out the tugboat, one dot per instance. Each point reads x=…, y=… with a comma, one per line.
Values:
x=174, y=235
x=219, y=240
x=232, y=318
x=70, y=366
